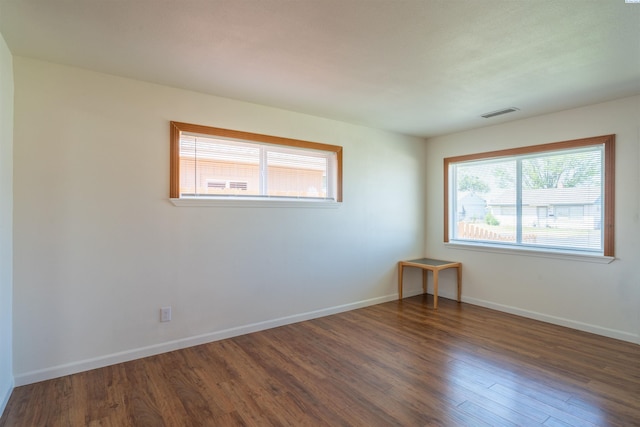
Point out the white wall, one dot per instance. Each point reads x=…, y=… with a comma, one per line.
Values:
x=600, y=298
x=99, y=248
x=6, y=221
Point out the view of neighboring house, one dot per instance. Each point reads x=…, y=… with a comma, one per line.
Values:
x=218, y=167
x=472, y=208
x=550, y=216
x=576, y=208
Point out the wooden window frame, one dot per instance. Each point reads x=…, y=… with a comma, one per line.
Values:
x=176, y=128
x=608, y=141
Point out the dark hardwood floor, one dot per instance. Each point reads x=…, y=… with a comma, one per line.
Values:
x=393, y=364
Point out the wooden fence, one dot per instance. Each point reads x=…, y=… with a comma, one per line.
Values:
x=470, y=231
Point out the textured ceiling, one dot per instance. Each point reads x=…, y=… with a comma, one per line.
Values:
x=420, y=67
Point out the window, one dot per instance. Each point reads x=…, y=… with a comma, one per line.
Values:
x=212, y=163
x=556, y=197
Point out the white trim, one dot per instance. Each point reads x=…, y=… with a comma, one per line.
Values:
x=231, y=202
x=560, y=321
x=514, y=250
x=5, y=398
x=138, y=353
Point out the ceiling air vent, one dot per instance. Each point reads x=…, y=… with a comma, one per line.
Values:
x=500, y=112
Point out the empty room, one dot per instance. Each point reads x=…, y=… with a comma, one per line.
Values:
x=319, y=213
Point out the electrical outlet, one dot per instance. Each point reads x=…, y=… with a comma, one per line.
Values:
x=165, y=314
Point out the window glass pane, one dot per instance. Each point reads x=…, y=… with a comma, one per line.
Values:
x=296, y=175
x=221, y=167
x=217, y=167
x=561, y=198
x=486, y=201
x=545, y=200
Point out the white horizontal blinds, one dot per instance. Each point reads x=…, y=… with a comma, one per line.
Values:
x=545, y=200
x=562, y=199
x=211, y=166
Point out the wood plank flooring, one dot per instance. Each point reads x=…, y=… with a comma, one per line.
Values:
x=393, y=364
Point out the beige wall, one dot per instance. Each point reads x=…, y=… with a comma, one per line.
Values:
x=601, y=298
x=6, y=222
x=99, y=248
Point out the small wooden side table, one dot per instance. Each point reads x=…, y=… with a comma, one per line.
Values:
x=435, y=265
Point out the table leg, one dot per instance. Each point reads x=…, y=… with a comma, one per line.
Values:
x=424, y=280
x=435, y=289
x=459, y=282
x=400, y=267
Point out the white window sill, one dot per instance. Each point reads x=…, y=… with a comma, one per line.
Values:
x=568, y=256
x=254, y=203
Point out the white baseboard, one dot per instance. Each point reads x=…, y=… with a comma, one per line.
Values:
x=138, y=353
x=573, y=324
x=5, y=398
